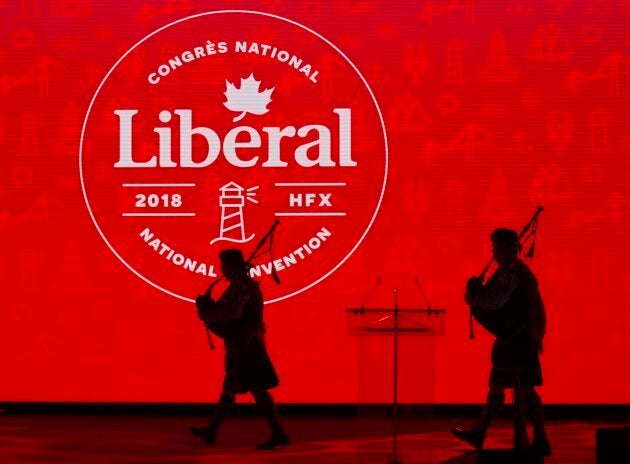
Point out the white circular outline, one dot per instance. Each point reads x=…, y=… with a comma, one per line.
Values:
x=378, y=109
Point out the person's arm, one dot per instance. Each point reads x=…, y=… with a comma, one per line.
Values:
x=230, y=305
x=204, y=305
x=490, y=298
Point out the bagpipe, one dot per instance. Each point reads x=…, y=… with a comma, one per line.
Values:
x=204, y=302
x=489, y=319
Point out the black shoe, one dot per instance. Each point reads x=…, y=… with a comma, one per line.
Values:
x=475, y=439
x=541, y=447
x=209, y=437
x=273, y=441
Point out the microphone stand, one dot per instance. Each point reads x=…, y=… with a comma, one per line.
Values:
x=423, y=294
x=361, y=310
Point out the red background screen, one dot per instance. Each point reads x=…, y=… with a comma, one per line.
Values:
x=491, y=108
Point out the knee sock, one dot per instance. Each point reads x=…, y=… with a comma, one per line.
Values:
x=494, y=401
x=520, y=428
x=226, y=401
x=267, y=406
x=535, y=414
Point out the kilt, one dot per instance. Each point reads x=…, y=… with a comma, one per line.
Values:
x=248, y=366
x=515, y=361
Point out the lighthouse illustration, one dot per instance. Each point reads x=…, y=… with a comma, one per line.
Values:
x=232, y=202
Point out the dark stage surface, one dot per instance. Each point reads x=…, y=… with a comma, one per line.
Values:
x=166, y=439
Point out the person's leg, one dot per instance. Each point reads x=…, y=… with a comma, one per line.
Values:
x=494, y=401
x=222, y=409
x=267, y=406
x=477, y=435
x=535, y=414
x=521, y=441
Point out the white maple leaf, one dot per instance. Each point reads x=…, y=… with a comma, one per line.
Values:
x=247, y=98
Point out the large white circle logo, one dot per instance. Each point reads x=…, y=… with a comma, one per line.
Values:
x=215, y=126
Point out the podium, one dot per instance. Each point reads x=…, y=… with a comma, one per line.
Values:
x=395, y=380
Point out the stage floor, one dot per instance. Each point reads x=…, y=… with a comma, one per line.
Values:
x=158, y=439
